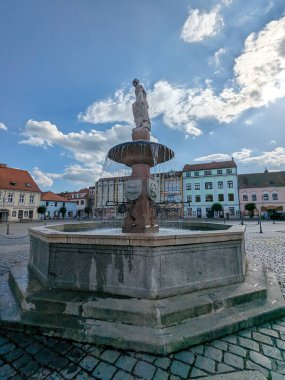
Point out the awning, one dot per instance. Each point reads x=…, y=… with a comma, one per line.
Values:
x=271, y=207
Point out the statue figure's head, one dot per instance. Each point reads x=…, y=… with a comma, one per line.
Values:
x=135, y=82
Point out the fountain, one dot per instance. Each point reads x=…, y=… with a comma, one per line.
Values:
x=140, y=155
x=139, y=288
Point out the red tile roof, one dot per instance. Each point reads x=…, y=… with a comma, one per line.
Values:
x=210, y=165
x=17, y=179
x=50, y=196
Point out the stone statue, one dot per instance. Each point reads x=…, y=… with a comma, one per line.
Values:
x=140, y=107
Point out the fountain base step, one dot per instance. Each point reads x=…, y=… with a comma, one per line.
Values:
x=156, y=326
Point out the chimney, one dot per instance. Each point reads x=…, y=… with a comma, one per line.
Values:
x=3, y=165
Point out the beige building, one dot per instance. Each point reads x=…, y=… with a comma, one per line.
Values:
x=19, y=195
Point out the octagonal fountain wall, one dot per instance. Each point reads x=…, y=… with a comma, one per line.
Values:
x=150, y=266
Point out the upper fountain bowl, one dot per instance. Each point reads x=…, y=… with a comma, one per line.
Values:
x=140, y=152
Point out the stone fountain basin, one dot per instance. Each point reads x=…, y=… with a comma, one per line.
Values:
x=140, y=152
x=149, y=266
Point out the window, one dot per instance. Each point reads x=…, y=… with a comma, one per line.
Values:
x=188, y=186
x=253, y=197
x=231, y=197
x=197, y=186
x=10, y=198
x=220, y=185
x=189, y=211
x=188, y=174
x=22, y=198
x=32, y=197
x=220, y=171
x=189, y=198
x=26, y=214
x=82, y=202
x=274, y=196
x=209, y=198
x=245, y=197
x=63, y=204
x=197, y=198
x=13, y=183
x=208, y=172
x=28, y=184
x=221, y=197
x=232, y=211
x=55, y=204
x=196, y=174
x=47, y=203
x=208, y=185
x=14, y=214
x=31, y=214
x=229, y=171
x=230, y=184
x=77, y=202
x=265, y=197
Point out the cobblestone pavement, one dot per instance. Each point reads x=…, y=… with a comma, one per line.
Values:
x=259, y=348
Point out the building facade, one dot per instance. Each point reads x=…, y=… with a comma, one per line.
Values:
x=170, y=199
x=54, y=203
x=81, y=198
x=266, y=190
x=19, y=195
x=209, y=183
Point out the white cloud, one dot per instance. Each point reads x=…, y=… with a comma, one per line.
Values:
x=216, y=59
x=259, y=79
x=43, y=179
x=242, y=155
x=74, y=173
x=274, y=158
x=214, y=157
x=87, y=147
x=200, y=25
x=3, y=127
x=227, y=3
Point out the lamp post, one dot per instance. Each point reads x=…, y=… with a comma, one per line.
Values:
x=260, y=228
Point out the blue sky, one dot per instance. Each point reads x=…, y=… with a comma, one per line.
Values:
x=214, y=72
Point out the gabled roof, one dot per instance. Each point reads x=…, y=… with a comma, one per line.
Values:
x=266, y=179
x=17, y=179
x=210, y=165
x=50, y=196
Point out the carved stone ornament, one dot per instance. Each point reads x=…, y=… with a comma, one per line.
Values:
x=152, y=189
x=133, y=189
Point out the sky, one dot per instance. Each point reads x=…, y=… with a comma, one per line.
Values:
x=213, y=71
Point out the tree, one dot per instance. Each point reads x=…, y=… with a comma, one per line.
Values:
x=217, y=208
x=41, y=210
x=88, y=210
x=62, y=210
x=250, y=207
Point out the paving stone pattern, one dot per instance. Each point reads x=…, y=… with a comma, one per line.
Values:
x=260, y=348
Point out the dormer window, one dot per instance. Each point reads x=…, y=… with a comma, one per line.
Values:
x=28, y=184
x=13, y=183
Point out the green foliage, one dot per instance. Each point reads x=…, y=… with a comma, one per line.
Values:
x=250, y=207
x=217, y=207
x=41, y=210
x=88, y=210
x=62, y=210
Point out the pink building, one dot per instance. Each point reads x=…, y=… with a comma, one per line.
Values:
x=266, y=190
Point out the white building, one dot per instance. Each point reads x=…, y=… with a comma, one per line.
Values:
x=209, y=183
x=19, y=195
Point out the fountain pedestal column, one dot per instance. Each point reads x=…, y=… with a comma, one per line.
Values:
x=140, y=216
